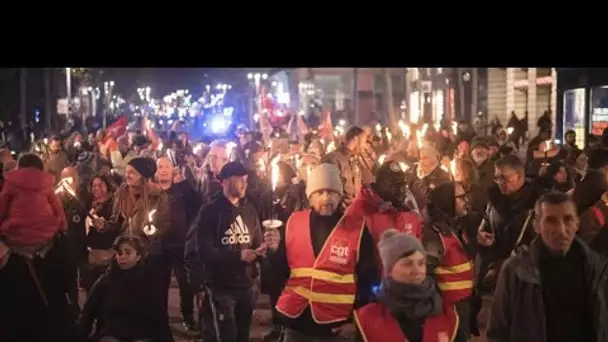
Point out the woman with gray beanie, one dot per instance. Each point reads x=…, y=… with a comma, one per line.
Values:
x=409, y=306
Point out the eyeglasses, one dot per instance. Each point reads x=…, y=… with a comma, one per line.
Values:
x=503, y=178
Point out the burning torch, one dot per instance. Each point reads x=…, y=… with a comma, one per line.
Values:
x=150, y=228
x=273, y=222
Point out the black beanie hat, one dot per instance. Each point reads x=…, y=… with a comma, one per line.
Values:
x=144, y=165
x=392, y=172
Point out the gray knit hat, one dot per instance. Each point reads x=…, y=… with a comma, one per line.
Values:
x=394, y=245
x=324, y=177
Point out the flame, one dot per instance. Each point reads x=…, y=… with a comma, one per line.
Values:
x=444, y=168
x=274, y=173
x=229, y=148
x=510, y=130
x=378, y=127
x=381, y=159
x=308, y=171
x=404, y=167
x=151, y=215
x=455, y=127
x=197, y=148
x=331, y=147
x=419, y=138
x=437, y=127
x=405, y=129
x=453, y=167
x=65, y=184
x=420, y=134
x=389, y=136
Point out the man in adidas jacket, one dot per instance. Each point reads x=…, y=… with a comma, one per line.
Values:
x=225, y=242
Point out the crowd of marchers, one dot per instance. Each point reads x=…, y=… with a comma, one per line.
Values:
x=373, y=235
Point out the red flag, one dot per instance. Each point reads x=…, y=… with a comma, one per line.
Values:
x=115, y=130
x=326, y=129
x=302, y=127
x=150, y=133
x=118, y=128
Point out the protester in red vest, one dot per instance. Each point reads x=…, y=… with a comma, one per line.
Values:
x=449, y=249
x=409, y=307
x=327, y=260
x=384, y=203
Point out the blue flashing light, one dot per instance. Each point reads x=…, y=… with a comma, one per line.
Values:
x=219, y=125
x=376, y=290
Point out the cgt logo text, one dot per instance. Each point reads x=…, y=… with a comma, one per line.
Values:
x=339, y=254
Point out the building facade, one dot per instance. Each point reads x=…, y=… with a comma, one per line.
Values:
x=530, y=91
x=582, y=101
x=361, y=94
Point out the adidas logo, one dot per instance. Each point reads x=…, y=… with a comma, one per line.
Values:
x=238, y=233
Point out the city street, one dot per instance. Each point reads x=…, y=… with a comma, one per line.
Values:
x=261, y=319
x=260, y=325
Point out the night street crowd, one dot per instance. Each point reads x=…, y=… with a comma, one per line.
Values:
x=376, y=234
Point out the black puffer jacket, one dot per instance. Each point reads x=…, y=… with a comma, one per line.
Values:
x=518, y=310
x=128, y=305
x=508, y=218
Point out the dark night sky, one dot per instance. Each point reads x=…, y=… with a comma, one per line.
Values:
x=127, y=80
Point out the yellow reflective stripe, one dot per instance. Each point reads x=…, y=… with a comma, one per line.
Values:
x=322, y=275
x=456, y=326
x=359, y=326
x=324, y=297
x=456, y=285
x=454, y=269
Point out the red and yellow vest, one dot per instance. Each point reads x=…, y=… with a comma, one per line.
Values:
x=455, y=273
x=376, y=324
x=325, y=283
x=379, y=222
x=403, y=221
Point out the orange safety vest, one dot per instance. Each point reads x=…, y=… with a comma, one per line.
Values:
x=403, y=221
x=407, y=222
x=376, y=324
x=455, y=273
x=325, y=283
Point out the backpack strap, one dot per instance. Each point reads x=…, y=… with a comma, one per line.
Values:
x=599, y=215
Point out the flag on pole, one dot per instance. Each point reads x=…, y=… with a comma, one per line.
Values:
x=326, y=129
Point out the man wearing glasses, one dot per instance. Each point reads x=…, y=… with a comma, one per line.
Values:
x=508, y=220
x=449, y=250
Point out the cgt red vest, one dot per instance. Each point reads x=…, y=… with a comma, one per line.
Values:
x=325, y=283
x=455, y=274
x=376, y=324
x=403, y=221
x=378, y=222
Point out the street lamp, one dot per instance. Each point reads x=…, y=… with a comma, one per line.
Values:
x=264, y=76
x=249, y=76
